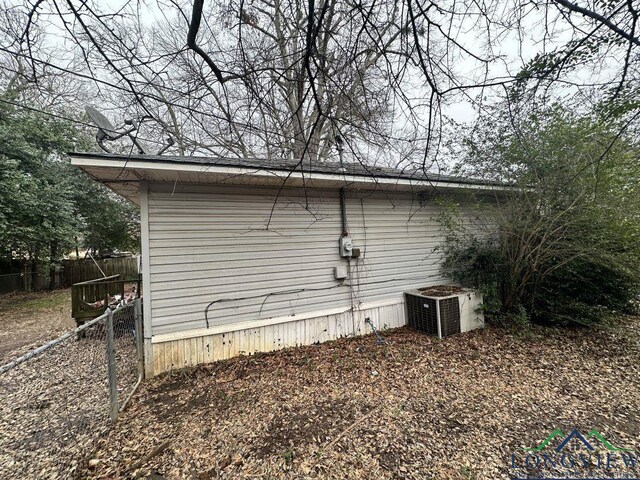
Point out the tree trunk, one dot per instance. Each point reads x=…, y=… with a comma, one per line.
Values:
x=53, y=259
x=34, y=275
x=26, y=276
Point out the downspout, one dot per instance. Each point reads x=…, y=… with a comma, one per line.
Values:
x=343, y=209
x=345, y=233
x=345, y=230
x=343, y=213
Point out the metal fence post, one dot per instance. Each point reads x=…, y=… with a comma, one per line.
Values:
x=139, y=335
x=111, y=361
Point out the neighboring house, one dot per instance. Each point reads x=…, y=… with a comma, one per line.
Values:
x=236, y=260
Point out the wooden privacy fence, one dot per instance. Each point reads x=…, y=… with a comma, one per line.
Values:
x=29, y=281
x=82, y=270
x=15, y=278
x=11, y=282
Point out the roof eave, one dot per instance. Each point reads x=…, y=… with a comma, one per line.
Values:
x=123, y=175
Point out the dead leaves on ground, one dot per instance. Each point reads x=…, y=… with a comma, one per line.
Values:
x=418, y=408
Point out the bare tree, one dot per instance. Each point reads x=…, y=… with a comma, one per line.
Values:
x=281, y=79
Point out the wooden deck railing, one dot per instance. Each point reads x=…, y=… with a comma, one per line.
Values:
x=90, y=299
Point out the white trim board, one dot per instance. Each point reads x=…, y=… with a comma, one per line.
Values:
x=146, y=278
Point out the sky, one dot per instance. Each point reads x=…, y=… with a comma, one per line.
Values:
x=510, y=51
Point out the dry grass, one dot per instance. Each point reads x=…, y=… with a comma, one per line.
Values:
x=418, y=408
x=29, y=319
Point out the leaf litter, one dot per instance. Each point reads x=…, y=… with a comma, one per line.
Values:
x=416, y=408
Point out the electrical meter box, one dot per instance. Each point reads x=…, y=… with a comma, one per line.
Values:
x=346, y=246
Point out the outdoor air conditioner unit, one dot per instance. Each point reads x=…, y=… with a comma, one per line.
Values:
x=444, y=310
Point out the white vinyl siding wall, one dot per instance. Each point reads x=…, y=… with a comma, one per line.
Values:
x=208, y=243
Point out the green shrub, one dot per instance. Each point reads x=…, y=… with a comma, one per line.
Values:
x=563, y=245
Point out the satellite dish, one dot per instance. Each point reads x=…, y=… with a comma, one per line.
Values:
x=107, y=132
x=102, y=122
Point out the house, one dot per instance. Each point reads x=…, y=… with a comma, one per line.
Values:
x=241, y=256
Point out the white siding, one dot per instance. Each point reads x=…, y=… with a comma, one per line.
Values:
x=208, y=243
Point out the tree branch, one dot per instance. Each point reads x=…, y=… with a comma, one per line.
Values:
x=599, y=18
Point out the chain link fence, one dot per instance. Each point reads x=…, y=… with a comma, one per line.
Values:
x=58, y=399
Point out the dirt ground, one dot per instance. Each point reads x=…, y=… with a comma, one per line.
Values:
x=29, y=319
x=416, y=408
